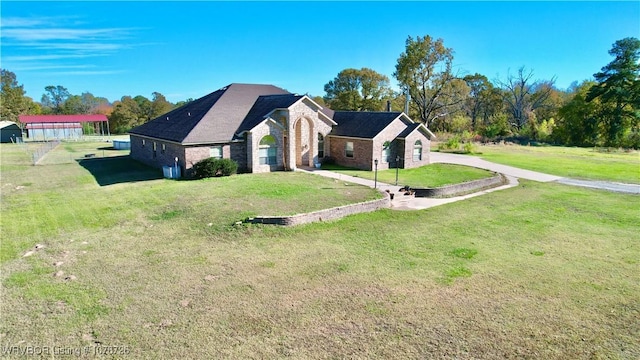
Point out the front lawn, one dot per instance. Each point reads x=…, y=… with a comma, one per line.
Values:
x=157, y=269
x=429, y=176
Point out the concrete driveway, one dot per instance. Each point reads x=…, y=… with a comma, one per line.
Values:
x=437, y=157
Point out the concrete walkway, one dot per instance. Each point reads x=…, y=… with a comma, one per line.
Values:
x=409, y=202
x=406, y=202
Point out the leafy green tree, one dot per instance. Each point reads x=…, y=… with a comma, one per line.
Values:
x=522, y=96
x=578, y=119
x=144, y=108
x=125, y=115
x=54, y=98
x=358, y=90
x=13, y=101
x=618, y=89
x=424, y=69
x=480, y=91
x=183, y=102
x=159, y=105
x=74, y=105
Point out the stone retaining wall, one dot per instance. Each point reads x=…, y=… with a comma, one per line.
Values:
x=464, y=187
x=323, y=215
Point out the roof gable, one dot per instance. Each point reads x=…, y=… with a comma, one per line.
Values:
x=419, y=127
x=263, y=106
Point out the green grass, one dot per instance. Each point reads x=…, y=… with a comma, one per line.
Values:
x=536, y=271
x=429, y=176
x=577, y=163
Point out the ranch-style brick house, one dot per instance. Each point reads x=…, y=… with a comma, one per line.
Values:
x=265, y=128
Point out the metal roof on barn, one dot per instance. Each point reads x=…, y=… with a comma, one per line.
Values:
x=42, y=119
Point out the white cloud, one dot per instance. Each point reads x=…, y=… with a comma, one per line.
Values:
x=55, y=34
x=39, y=57
x=88, y=72
x=22, y=22
x=59, y=43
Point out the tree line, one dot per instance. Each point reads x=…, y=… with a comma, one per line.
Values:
x=123, y=114
x=604, y=111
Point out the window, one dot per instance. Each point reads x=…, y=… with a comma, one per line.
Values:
x=386, y=152
x=417, y=151
x=348, y=149
x=143, y=142
x=320, y=146
x=155, y=148
x=164, y=147
x=215, y=152
x=267, y=151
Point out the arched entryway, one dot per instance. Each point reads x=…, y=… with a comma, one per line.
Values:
x=304, y=144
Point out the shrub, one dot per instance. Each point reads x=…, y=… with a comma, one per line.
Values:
x=498, y=126
x=212, y=167
x=452, y=144
x=468, y=148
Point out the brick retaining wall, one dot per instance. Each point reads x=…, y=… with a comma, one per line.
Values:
x=460, y=188
x=323, y=215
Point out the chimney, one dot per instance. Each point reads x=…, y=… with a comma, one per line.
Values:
x=406, y=102
x=388, y=105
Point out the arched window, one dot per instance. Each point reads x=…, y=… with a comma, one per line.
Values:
x=417, y=151
x=320, y=146
x=267, y=151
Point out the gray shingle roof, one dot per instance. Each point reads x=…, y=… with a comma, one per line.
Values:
x=213, y=118
x=408, y=130
x=361, y=124
x=263, y=106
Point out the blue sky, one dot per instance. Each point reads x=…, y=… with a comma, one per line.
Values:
x=189, y=49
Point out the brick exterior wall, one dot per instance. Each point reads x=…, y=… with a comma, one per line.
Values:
x=296, y=132
x=142, y=150
x=388, y=134
x=304, y=124
x=187, y=155
x=409, y=143
x=365, y=151
x=362, y=152
x=253, y=142
x=238, y=153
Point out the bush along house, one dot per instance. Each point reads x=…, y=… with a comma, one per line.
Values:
x=265, y=128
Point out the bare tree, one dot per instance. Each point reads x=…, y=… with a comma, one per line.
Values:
x=522, y=96
x=424, y=69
